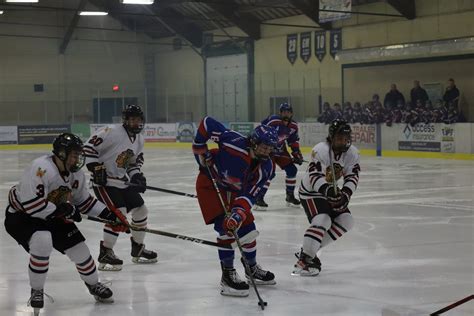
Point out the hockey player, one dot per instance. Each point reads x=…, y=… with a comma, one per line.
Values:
x=42, y=210
x=287, y=130
x=241, y=167
x=114, y=156
x=326, y=205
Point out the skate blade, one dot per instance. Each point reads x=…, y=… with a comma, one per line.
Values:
x=109, y=300
x=292, y=205
x=109, y=267
x=303, y=273
x=228, y=292
x=259, y=208
x=261, y=282
x=143, y=260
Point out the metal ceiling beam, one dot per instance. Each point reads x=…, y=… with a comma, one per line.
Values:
x=405, y=7
x=115, y=11
x=245, y=21
x=310, y=9
x=184, y=28
x=71, y=27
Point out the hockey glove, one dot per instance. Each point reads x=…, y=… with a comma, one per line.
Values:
x=205, y=160
x=99, y=173
x=118, y=226
x=340, y=201
x=140, y=180
x=233, y=221
x=297, y=157
x=66, y=212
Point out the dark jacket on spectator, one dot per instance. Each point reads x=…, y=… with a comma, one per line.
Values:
x=392, y=98
x=451, y=94
x=418, y=94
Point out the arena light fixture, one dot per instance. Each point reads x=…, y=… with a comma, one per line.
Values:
x=93, y=13
x=22, y=1
x=1, y=12
x=146, y=2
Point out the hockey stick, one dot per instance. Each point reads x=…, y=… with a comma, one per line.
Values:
x=161, y=190
x=261, y=302
x=334, y=181
x=163, y=233
x=453, y=305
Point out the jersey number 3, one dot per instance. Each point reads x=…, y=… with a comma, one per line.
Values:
x=40, y=190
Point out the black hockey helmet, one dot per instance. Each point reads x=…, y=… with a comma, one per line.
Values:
x=340, y=127
x=64, y=144
x=133, y=110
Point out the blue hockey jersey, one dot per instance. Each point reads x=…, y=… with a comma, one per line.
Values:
x=233, y=167
x=286, y=134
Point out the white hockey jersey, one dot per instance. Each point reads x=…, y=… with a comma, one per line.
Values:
x=42, y=187
x=121, y=155
x=319, y=172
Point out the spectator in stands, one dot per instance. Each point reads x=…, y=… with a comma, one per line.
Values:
x=393, y=97
x=337, y=111
x=327, y=116
x=367, y=115
x=348, y=112
x=357, y=113
x=451, y=95
x=379, y=114
x=375, y=101
x=418, y=93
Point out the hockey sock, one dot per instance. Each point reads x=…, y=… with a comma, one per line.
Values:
x=110, y=237
x=341, y=225
x=314, y=235
x=139, y=219
x=41, y=245
x=85, y=265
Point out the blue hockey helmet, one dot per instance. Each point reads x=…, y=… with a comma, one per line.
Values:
x=286, y=107
x=264, y=134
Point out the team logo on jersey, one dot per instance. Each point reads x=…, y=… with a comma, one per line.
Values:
x=337, y=170
x=232, y=182
x=40, y=172
x=60, y=195
x=123, y=160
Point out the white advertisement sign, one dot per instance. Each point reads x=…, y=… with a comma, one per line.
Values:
x=160, y=132
x=8, y=135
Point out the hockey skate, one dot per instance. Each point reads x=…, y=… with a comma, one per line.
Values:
x=260, y=205
x=231, y=284
x=291, y=201
x=306, y=266
x=260, y=276
x=101, y=292
x=142, y=255
x=108, y=261
x=37, y=300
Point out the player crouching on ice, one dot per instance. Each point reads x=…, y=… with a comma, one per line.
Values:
x=241, y=167
x=324, y=204
x=41, y=213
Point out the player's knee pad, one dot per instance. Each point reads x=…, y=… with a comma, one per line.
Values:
x=291, y=171
x=322, y=220
x=41, y=243
x=78, y=253
x=345, y=220
x=139, y=213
